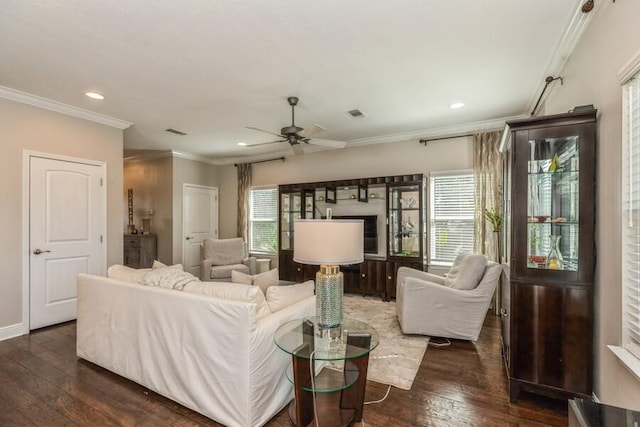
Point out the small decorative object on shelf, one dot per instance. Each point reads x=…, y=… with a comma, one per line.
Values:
x=131, y=227
x=146, y=225
x=554, y=259
x=363, y=193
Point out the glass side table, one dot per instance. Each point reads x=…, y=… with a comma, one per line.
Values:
x=339, y=367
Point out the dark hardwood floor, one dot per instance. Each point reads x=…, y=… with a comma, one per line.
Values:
x=43, y=383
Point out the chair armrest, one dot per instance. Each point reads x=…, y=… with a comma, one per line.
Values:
x=251, y=263
x=205, y=270
x=404, y=272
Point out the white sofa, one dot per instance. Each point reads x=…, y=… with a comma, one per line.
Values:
x=209, y=354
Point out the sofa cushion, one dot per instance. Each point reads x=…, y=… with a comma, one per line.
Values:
x=466, y=272
x=225, y=271
x=169, y=278
x=232, y=291
x=127, y=274
x=279, y=297
x=223, y=251
x=262, y=280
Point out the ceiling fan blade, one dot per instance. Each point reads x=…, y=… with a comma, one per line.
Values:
x=327, y=143
x=265, y=143
x=297, y=148
x=307, y=133
x=265, y=131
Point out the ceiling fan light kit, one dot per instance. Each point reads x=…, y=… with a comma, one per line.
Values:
x=296, y=135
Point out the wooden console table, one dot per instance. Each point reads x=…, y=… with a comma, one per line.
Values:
x=340, y=368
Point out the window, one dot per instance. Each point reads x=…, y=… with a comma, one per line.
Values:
x=631, y=220
x=263, y=225
x=451, y=215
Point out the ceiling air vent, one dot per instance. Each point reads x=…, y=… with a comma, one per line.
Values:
x=177, y=132
x=357, y=113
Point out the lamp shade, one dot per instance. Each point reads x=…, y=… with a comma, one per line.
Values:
x=328, y=241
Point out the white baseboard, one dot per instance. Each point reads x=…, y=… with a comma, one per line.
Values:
x=11, y=331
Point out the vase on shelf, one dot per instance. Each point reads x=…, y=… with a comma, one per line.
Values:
x=554, y=259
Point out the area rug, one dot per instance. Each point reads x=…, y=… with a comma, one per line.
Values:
x=397, y=358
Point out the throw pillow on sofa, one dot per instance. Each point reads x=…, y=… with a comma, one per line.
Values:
x=157, y=264
x=169, y=278
x=279, y=297
x=232, y=291
x=126, y=274
x=469, y=270
x=262, y=280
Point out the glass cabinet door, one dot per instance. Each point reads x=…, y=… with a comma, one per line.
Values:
x=552, y=203
x=404, y=221
x=290, y=210
x=309, y=203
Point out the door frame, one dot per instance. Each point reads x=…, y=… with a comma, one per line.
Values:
x=217, y=224
x=26, y=223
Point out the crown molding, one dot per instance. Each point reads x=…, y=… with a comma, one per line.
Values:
x=149, y=156
x=629, y=69
x=59, y=107
x=576, y=28
x=444, y=131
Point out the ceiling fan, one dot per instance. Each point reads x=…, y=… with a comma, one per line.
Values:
x=297, y=136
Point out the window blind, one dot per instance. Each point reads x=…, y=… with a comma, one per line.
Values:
x=263, y=225
x=451, y=216
x=631, y=226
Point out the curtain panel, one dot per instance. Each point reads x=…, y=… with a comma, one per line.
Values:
x=244, y=182
x=487, y=174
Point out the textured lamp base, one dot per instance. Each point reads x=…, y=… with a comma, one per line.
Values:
x=329, y=290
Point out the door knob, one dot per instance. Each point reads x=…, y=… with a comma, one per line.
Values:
x=38, y=251
x=189, y=238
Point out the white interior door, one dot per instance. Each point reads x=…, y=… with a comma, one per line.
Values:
x=199, y=222
x=67, y=218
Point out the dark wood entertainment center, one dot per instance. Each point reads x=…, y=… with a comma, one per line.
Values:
x=398, y=201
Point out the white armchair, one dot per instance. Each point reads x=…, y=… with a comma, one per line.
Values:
x=427, y=305
x=220, y=256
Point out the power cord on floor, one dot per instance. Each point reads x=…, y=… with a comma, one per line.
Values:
x=372, y=402
x=444, y=343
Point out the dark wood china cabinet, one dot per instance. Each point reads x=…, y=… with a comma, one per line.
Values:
x=551, y=255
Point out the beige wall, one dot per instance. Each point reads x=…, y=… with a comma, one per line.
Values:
x=590, y=77
x=151, y=181
x=157, y=184
x=188, y=172
x=397, y=158
x=24, y=127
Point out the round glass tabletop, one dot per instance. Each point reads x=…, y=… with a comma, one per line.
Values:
x=303, y=338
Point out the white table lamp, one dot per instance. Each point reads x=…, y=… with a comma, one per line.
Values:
x=328, y=243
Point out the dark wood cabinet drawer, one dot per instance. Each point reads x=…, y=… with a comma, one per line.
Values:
x=140, y=251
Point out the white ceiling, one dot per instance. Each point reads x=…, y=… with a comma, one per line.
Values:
x=212, y=67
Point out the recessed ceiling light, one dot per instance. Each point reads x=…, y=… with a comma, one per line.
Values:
x=95, y=95
x=242, y=144
x=456, y=105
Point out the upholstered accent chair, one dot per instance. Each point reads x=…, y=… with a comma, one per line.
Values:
x=453, y=306
x=221, y=256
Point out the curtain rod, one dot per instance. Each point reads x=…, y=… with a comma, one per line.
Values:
x=425, y=140
x=260, y=161
x=548, y=81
